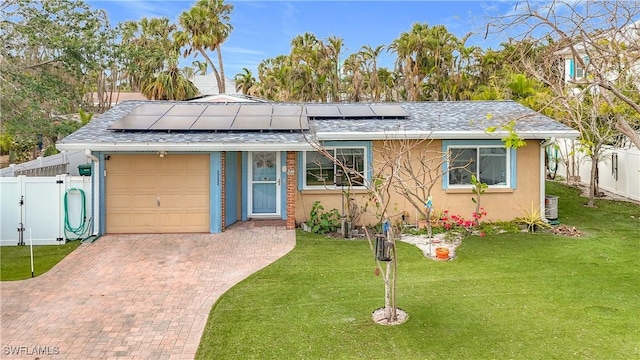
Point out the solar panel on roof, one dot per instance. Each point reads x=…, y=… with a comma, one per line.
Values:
x=323, y=110
x=135, y=122
x=251, y=122
x=356, y=110
x=223, y=117
x=186, y=110
x=221, y=123
x=287, y=110
x=221, y=110
x=169, y=122
x=256, y=110
x=289, y=123
x=389, y=111
x=151, y=109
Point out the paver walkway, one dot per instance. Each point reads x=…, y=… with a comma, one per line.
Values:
x=132, y=296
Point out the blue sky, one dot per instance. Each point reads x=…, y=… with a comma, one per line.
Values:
x=264, y=29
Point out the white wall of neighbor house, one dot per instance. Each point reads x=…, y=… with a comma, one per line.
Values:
x=618, y=168
x=43, y=211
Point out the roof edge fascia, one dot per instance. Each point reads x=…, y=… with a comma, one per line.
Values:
x=184, y=147
x=444, y=135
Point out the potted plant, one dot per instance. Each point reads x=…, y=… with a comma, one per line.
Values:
x=532, y=220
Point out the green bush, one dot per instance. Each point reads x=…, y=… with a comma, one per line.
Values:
x=322, y=222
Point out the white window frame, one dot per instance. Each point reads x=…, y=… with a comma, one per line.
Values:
x=331, y=185
x=477, y=173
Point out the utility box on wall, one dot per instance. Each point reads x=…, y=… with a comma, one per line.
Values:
x=84, y=169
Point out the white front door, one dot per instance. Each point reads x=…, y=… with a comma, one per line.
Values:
x=264, y=184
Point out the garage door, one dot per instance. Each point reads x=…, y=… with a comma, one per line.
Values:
x=153, y=194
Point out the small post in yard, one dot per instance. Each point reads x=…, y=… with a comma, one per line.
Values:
x=31, y=250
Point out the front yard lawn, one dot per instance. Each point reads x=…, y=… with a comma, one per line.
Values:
x=509, y=296
x=16, y=260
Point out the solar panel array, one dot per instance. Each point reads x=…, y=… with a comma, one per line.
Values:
x=245, y=117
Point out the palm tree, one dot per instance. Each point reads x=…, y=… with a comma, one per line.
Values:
x=334, y=49
x=245, y=82
x=201, y=67
x=353, y=66
x=370, y=56
x=169, y=84
x=205, y=27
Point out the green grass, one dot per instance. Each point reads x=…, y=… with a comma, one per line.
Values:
x=509, y=296
x=16, y=260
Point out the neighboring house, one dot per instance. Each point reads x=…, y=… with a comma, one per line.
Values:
x=599, y=57
x=168, y=166
x=223, y=98
x=208, y=84
x=65, y=162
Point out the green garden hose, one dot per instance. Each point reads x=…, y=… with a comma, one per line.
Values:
x=84, y=225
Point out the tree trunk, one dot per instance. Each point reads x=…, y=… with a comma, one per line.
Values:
x=214, y=69
x=593, y=186
x=387, y=293
x=223, y=82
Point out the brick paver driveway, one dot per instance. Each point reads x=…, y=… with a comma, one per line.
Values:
x=132, y=296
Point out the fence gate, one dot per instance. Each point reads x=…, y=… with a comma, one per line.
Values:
x=38, y=203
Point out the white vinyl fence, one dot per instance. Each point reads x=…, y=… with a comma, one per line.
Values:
x=38, y=203
x=618, y=168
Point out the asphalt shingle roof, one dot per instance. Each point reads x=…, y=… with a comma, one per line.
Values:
x=457, y=117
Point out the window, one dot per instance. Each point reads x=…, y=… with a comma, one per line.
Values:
x=490, y=164
x=320, y=172
x=577, y=72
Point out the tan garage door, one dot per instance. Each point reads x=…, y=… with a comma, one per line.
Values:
x=153, y=194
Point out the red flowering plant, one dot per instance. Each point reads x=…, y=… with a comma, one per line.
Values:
x=452, y=222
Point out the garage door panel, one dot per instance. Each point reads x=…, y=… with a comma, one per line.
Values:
x=121, y=183
x=135, y=183
x=145, y=202
x=173, y=202
x=119, y=202
x=195, y=219
x=195, y=165
x=121, y=219
x=146, y=219
x=172, y=220
x=197, y=201
x=198, y=181
x=172, y=182
x=144, y=184
x=146, y=163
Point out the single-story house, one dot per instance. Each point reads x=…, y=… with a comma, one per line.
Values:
x=168, y=166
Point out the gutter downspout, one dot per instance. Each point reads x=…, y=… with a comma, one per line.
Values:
x=543, y=176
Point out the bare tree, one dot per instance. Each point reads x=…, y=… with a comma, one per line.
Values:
x=407, y=167
x=601, y=36
x=414, y=167
x=378, y=192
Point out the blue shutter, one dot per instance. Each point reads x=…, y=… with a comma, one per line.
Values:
x=571, y=68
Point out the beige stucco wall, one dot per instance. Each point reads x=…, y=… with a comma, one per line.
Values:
x=500, y=204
